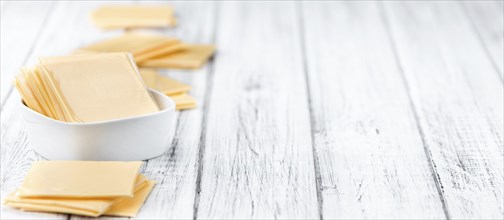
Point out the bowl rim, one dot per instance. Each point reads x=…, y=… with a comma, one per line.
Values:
x=170, y=108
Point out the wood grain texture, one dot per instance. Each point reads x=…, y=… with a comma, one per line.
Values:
x=370, y=152
x=19, y=33
x=403, y=99
x=257, y=147
x=458, y=100
x=176, y=171
x=487, y=18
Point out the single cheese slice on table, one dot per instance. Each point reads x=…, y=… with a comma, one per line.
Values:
x=111, y=17
x=192, y=57
x=163, y=84
x=89, y=206
x=97, y=87
x=80, y=179
x=141, y=46
x=183, y=101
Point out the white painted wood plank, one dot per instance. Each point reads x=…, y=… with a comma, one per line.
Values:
x=458, y=98
x=68, y=29
x=257, y=160
x=488, y=19
x=176, y=171
x=372, y=161
x=19, y=33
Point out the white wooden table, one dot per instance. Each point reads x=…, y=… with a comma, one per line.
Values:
x=308, y=110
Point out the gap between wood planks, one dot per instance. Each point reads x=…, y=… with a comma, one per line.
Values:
x=428, y=155
x=208, y=92
x=318, y=178
x=461, y=135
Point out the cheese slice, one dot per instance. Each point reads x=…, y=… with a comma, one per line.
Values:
x=49, y=208
x=193, y=56
x=163, y=84
x=80, y=179
x=105, y=86
x=160, y=51
x=129, y=207
x=60, y=110
x=186, y=106
x=111, y=17
x=90, y=207
x=141, y=46
x=31, y=99
x=183, y=101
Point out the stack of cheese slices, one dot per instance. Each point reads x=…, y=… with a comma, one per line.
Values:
x=156, y=51
x=88, y=188
x=176, y=90
x=85, y=88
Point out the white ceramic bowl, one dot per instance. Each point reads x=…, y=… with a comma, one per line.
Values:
x=134, y=138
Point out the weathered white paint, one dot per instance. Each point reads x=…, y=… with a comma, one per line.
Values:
x=372, y=161
x=257, y=153
x=254, y=134
x=487, y=18
x=19, y=33
x=176, y=171
x=458, y=99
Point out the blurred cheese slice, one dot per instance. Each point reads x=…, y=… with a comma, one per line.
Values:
x=96, y=87
x=141, y=46
x=163, y=84
x=129, y=207
x=191, y=57
x=89, y=207
x=183, y=101
x=134, y=16
x=80, y=179
x=177, y=91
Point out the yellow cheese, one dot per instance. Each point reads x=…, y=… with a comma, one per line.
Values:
x=183, y=101
x=85, y=88
x=141, y=46
x=193, y=56
x=34, y=82
x=163, y=84
x=106, y=86
x=160, y=51
x=89, y=207
x=80, y=179
x=110, y=17
x=129, y=207
x=48, y=208
x=186, y=106
x=31, y=99
x=60, y=109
